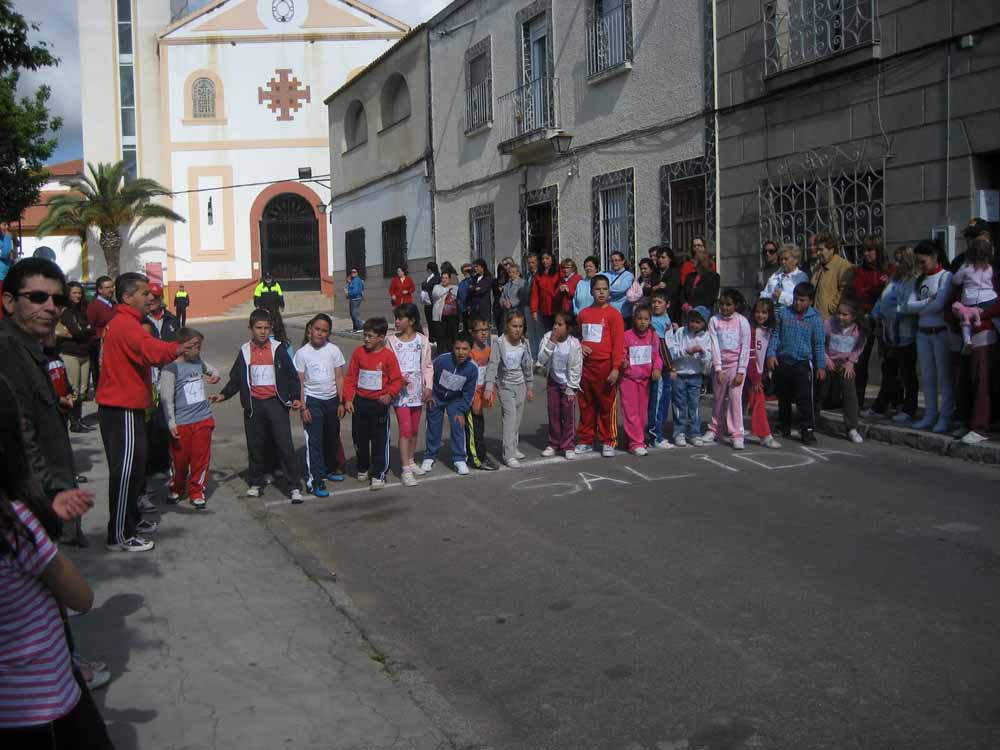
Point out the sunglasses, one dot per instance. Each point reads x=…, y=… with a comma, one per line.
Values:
x=39, y=297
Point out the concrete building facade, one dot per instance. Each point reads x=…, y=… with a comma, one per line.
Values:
x=863, y=117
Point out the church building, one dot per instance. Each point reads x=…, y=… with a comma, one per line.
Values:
x=223, y=104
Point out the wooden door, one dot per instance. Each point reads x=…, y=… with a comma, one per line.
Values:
x=687, y=212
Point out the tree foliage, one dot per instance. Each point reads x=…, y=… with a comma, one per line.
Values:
x=16, y=52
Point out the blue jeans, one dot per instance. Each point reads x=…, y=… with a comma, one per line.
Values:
x=687, y=405
x=436, y=411
x=659, y=406
x=934, y=357
x=322, y=438
x=356, y=320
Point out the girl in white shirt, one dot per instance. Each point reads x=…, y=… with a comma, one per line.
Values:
x=413, y=352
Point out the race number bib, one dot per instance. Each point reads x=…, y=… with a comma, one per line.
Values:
x=593, y=332
x=640, y=355
x=194, y=391
x=840, y=343
x=481, y=377
x=409, y=357
x=261, y=374
x=729, y=340
x=370, y=380
x=451, y=381
x=318, y=372
x=512, y=360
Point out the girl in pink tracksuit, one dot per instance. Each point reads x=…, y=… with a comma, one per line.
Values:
x=729, y=333
x=643, y=363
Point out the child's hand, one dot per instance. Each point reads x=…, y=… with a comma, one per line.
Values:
x=213, y=379
x=674, y=375
x=849, y=371
x=586, y=350
x=738, y=380
x=821, y=374
x=613, y=376
x=720, y=378
x=657, y=375
x=757, y=387
x=307, y=416
x=175, y=433
x=460, y=421
x=531, y=394
x=70, y=504
x=216, y=399
x=771, y=363
x=570, y=393
x=695, y=349
x=296, y=404
x=426, y=395
x=340, y=411
x=385, y=400
x=349, y=406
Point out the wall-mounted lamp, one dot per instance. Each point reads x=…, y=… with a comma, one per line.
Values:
x=305, y=173
x=321, y=207
x=561, y=141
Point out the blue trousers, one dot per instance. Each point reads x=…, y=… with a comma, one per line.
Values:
x=356, y=320
x=934, y=357
x=659, y=404
x=436, y=411
x=322, y=438
x=687, y=405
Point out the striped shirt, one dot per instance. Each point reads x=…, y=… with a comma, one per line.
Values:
x=36, y=679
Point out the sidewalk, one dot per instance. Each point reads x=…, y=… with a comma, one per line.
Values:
x=218, y=638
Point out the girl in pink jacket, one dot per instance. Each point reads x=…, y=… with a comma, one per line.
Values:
x=729, y=333
x=642, y=364
x=413, y=352
x=845, y=339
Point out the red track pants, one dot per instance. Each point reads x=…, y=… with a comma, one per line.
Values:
x=598, y=404
x=191, y=454
x=757, y=402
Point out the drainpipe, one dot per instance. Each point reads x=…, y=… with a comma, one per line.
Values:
x=947, y=143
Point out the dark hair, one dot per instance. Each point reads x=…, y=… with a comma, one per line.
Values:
x=553, y=269
x=617, y=252
x=318, y=316
x=259, y=315
x=596, y=278
x=482, y=264
x=768, y=243
x=464, y=338
x=433, y=267
x=804, y=289
x=127, y=283
x=27, y=268
x=734, y=296
x=852, y=304
x=447, y=267
x=378, y=325
x=647, y=262
x=979, y=253
x=828, y=239
x=661, y=294
x=593, y=259
x=566, y=317
x=924, y=247
x=101, y=280
x=476, y=319
x=873, y=242
x=186, y=334
x=83, y=294
x=17, y=480
x=511, y=315
x=668, y=251
x=403, y=267
x=409, y=310
x=278, y=327
x=771, y=322
x=642, y=307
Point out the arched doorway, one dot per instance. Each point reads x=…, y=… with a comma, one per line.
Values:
x=289, y=242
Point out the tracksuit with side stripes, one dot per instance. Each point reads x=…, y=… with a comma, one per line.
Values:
x=372, y=375
x=603, y=334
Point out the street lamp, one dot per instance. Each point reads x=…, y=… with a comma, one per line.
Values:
x=560, y=142
x=321, y=207
x=305, y=173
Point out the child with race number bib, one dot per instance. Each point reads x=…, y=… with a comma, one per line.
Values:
x=189, y=419
x=691, y=352
x=475, y=421
x=603, y=340
x=413, y=352
x=845, y=340
x=320, y=366
x=561, y=355
x=373, y=381
x=454, y=379
x=730, y=336
x=760, y=334
x=509, y=376
x=643, y=366
x=660, y=390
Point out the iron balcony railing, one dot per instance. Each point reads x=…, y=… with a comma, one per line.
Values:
x=608, y=40
x=799, y=32
x=478, y=105
x=533, y=106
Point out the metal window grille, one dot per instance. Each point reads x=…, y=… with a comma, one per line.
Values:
x=799, y=32
x=482, y=238
x=393, y=245
x=527, y=108
x=478, y=105
x=609, y=36
x=614, y=223
x=203, y=98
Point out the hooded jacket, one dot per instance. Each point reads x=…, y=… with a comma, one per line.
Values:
x=286, y=379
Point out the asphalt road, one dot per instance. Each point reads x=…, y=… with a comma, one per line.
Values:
x=838, y=597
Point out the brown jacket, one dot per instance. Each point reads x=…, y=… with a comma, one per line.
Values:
x=830, y=281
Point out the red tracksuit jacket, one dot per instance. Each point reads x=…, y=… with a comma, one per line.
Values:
x=127, y=353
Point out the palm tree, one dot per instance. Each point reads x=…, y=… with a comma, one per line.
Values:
x=106, y=200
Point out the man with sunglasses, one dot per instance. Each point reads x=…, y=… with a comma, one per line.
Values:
x=34, y=296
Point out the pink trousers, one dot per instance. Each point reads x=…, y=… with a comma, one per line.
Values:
x=728, y=404
x=635, y=404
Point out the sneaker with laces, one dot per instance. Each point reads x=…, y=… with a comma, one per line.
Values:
x=408, y=479
x=680, y=441
x=319, y=490
x=708, y=437
x=549, y=451
x=462, y=468
x=146, y=527
x=512, y=463
x=416, y=470
x=855, y=437
x=738, y=444
x=519, y=456
x=608, y=451
x=173, y=498
x=663, y=444
x=639, y=450
x=198, y=502
x=253, y=491
x=132, y=544
x=487, y=465
x=296, y=497
x=770, y=442
x=426, y=465
x=146, y=505
x=570, y=454
x=973, y=438
x=377, y=484
x=362, y=476
x=580, y=449
x=697, y=441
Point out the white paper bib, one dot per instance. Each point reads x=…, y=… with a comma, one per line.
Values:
x=640, y=355
x=194, y=391
x=370, y=380
x=451, y=381
x=729, y=340
x=840, y=343
x=262, y=375
x=593, y=332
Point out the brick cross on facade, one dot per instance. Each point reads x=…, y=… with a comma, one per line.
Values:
x=283, y=95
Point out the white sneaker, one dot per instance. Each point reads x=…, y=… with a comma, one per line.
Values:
x=697, y=441
x=680, y=441
x=549, y=451
x=738, y=444
x=132, y=544
x=972, y=438
x=408, y=479
x=708, y=437
x=426, y=465
x=462, y=468
x=770, y=442
x=377, y=484
x=855, y=437
x=362, y=476
x=664, y=444
x=640, y=451
x=296, y=496
x=608, y=451
x=519, y=456
x=418, y=471
x=580, y=449
x=571, y=454
x=513, y=463
x=253, y=492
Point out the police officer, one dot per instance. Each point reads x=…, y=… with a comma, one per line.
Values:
x=181, y=302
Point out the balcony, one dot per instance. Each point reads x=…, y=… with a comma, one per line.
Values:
x=529, y=114
x=479, y=107
x=609, y=43
x=799, y=33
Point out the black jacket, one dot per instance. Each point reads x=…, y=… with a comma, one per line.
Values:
x=169, y=326
x=286, y=379
x=701, y=288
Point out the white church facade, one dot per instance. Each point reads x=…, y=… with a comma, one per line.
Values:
x=224, y=106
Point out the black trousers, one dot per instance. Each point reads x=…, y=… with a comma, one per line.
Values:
x=370, y=432
x=475, y=438
x=268, y=431
x=123, y=432
x=447, y=332
x=899, y=380
x=182, y=315
x=861, y=370
x=431, y=328
x=794, y=381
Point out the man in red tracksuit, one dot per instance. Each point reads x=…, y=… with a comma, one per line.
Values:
x=123, y=395
x=602, y=335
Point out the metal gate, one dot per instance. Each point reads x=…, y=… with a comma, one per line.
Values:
x=827, y=190
x=289, y=241
x=393, y=245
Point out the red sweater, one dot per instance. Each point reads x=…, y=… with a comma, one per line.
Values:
x=99, y=314
x=127, y=354
x=543, y=293
x=564, y=300
x=866, y=286
x=612, y=344
x=401, y=290
x=364, y=362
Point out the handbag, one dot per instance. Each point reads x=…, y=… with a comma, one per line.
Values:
x=634, y=293
x=450, y=306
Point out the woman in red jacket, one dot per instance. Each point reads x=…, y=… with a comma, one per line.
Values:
x=867, y=282
x=401, y=288
x=543, y=293
x=566, y=287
